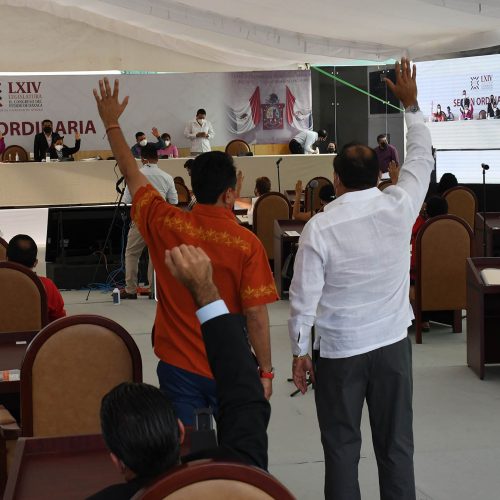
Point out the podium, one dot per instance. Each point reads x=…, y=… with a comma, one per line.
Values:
x=483, y=316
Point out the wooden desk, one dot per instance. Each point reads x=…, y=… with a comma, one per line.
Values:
x=62, y=468
x=11, y=358
x=483, y=316
x=492, y=234
x=282, y=248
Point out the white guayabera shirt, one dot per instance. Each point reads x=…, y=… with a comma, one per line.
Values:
x=351, y=276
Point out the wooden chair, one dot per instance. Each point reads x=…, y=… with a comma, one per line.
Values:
x=322, y=181
x=3, y=249
x=384, y=184
x=212, y=480
x=68, y=368
x=268, y=208
x=23, y=303
x=182, y=193
x=443, y=244
x=10, y=152
x=462, y=202
x=237, y=147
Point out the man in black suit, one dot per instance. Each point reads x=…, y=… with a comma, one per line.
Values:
x=44, y=140
x=138, y=422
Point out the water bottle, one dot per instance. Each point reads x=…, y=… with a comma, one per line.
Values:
x=17, y=156
x=47, y=157
x=116, y=296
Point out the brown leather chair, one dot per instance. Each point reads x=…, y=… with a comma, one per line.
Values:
x=182, y=193
x=238, y=147
x=268, y=208
x=212, y=480
x=443, y=244
x=322, y=181
x=462, y=202
x=384, y=184
x=23, y=303
x=3, y=249
x=10, y=153
x=68, y=368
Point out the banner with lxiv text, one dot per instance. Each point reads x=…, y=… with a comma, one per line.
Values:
x=259, y=107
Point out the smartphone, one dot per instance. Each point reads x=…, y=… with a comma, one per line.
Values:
x=203, y=419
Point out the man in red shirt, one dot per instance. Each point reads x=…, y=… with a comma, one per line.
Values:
x=241, y=268
x=22, y=250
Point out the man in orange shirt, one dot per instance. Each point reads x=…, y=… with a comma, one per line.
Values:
x=241, y=268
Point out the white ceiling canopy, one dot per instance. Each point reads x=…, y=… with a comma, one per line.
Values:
x=223, y=35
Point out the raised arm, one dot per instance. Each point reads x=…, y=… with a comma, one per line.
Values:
x=110, y=110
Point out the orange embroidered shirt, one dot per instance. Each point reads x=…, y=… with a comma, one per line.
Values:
x=240, y=270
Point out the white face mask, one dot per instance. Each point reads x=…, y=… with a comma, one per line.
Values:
x=59, y=147
x=167, y=143
x=143, y=142
x=202, y=121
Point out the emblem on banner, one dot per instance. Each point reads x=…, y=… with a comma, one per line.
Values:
x=272, y=113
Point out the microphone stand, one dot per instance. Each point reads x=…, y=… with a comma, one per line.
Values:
x=278, y=168
x=484, y=208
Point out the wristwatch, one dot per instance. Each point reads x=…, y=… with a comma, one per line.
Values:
x=268, y=375
x=413, y=108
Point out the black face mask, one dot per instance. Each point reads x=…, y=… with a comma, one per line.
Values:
x=47, y=130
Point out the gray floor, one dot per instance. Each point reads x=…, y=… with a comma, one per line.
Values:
x=456, y=416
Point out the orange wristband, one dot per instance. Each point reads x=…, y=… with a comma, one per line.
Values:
x=111, y=128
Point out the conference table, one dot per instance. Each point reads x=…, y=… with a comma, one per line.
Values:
x=492, y=234
x=92, y=181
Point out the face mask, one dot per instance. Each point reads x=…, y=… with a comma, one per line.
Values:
x=47, y=130
x=59, y=147
x=167, y=143
x=202, y=122
x=383, y=145
x=143, y=142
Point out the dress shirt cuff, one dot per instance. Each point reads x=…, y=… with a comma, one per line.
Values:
x=300, y=334
x=211, y=311
x=413, y=118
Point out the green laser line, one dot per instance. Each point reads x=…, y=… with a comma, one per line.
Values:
x=343, y=82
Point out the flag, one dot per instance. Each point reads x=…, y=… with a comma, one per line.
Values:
x=298, y=115
x=247, y=117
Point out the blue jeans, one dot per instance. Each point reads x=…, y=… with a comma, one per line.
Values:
x=186, y=391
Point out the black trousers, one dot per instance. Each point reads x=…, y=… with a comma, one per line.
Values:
x=295, y=147
x=384, y=378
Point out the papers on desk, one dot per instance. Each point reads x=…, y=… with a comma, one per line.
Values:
x=292, y=233
x=243, y=219
x=491, y=276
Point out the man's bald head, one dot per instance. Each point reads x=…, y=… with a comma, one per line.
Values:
x=357, y=166
x=22, y=250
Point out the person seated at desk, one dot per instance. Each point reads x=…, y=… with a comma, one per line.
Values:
x=59, y=151
x=326, y=195
x=262, y=186
x=138, y=422
x=447, y=181
x=170, y=151
x=141, y=141
x=43, y=140
x=22, y=250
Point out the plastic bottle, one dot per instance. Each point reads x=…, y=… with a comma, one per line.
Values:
x=116, y=296
x=47, y=157
x=17, y=156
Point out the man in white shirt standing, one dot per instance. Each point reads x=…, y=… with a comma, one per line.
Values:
x=305, y=142
x=361, y=310
x=164, y=184
x=199, y=131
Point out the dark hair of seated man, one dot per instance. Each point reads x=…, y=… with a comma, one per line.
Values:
x=447, y=181
x=357, y=167
x=149, y=152
x=211, y=174
x=436, y=205
x=262, y=186
x=326, y=193
x=23, y=250
x=141, y=430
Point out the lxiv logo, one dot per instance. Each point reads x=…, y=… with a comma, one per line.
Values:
x=24, y=87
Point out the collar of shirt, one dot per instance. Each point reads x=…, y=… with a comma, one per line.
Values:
x=353, y=197
x=214, y=211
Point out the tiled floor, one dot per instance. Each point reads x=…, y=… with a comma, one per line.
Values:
x=456, y=416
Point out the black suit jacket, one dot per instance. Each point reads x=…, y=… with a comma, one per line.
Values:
x=66, y=150
x=41, y=145
x=244, y=412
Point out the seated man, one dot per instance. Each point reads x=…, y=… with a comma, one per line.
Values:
x=58, y=150
x=22, y=250
x=326, y=195
x=139, y=423
x=262, y=186
x=141, y=141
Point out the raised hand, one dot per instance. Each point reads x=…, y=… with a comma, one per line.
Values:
x=108, y=104
x=193, y=268
x=405, y=88
x=393, y=169
x=77, y=135
x=298, y=188
x=155, y=132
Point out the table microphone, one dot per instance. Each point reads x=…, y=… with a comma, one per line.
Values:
x=484, y=166
x=279, y=161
